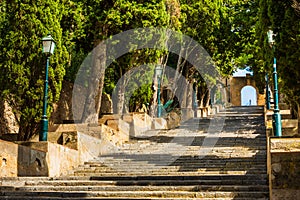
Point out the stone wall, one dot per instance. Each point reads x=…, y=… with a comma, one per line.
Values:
x=237, y=84
x=36, y=159
x=285, y=168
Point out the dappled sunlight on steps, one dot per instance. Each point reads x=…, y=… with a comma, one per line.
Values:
x=168, y=165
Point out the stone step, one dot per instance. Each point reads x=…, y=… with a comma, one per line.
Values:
x=235, y=168
x=141, y=172
x=114, y=198
x=229, y=162
x=186, y=168
x=142, y=194
x=197, y=188
x=114, y=182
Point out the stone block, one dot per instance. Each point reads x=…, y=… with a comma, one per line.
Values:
x=159, y=123
x=36, y=159
x=173, y=120
x=285, y=114
x=123, y=126
x=113, y=136
x=113, y=123
x=61, y=160
x=141, y=124
x=105, y=118
x=8, y=159
x=285, y=170
x=289, y=126
x=283, y=106
x=284, y=145
x=128, y=118
x=187, y=113
x=280, y=194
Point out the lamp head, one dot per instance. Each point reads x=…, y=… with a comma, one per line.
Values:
x=158, y=71
x=48, y=44
x=271, y=38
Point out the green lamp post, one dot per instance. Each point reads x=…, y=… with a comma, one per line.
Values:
x=48, y=49
x=158, y=73
x=276, y=122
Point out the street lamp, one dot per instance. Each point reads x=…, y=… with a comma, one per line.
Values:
x=276, y=116
x=267, y=92
x=158, y=73
x=48, y=49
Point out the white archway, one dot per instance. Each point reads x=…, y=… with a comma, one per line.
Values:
x=248, y=96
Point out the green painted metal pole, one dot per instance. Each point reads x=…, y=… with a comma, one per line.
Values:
x=276, y=116
x=158, y=97
x=268, y=104
x=44, y=121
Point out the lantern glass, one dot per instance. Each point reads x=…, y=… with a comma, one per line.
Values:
x=271, y=37
x=158, y=71
x=48, y=44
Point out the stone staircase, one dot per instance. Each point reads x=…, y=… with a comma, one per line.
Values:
x=190, y=162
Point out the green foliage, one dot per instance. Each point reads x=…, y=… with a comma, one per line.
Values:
x=22, y=62
x=233, y=32
x=283, y=19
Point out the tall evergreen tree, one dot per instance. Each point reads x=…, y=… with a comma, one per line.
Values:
x=22, y=62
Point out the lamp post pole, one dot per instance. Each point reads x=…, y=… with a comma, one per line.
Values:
x=267, y=92
x=276, y=116
x=44, y=121
x=276, y=122
x=48, y=49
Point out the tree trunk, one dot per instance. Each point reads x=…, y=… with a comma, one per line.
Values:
x=190, y=95
x=153, y=106
x=95, y=86
x=121, y=96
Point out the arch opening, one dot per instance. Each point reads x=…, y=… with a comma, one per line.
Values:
x=248, y=96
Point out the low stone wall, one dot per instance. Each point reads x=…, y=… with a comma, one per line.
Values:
x=289, y=127
x=285, y=168
x=36, y=159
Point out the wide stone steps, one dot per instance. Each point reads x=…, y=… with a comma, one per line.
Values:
x=132, y=194
x=234, y=167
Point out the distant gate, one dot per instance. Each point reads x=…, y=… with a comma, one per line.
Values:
x=243, y=91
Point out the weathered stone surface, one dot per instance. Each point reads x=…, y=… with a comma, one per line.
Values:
x=159, y=123
x=289, y=127
x=284, y=145
x=8, y=122
x=106, y=104
x=36, y=159
x=285, y=194
x=139, y=123
x=187, y=113
x=173, y=120
x=8, y=159
x=113, y=123
x=105, y=118
x=234, y=169
x=286, y=170
x=276, y=167
x=285, y=114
